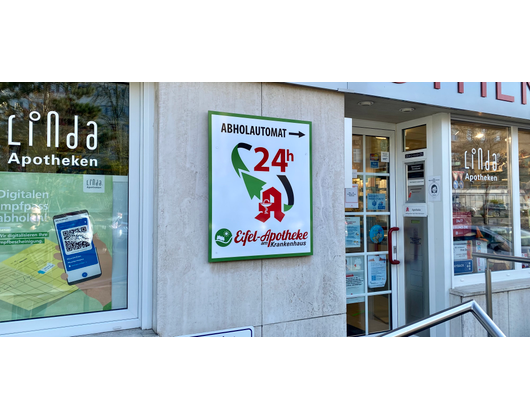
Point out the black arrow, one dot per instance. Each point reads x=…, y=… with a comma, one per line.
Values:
x=244, y=146
x=299, y=134
x=288, y=190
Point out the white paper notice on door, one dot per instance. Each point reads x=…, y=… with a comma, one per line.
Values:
x=351, y=197
x=376, y=271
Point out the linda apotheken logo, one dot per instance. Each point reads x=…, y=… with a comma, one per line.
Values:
x=73, y=142
x=94, y=183
x=223, y=238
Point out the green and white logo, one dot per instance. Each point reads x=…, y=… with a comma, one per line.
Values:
x=223, y=237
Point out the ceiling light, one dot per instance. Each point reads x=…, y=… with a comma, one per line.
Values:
x=365, y=103
x=407, y=110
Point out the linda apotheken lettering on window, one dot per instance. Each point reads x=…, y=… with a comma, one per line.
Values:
x=72, y=142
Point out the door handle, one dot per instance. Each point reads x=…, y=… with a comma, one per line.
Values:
x=390, y=247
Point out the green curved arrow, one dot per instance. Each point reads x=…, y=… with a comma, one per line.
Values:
x=237, y=162
x=254, y=185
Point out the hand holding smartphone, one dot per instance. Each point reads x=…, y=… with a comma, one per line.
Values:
x=75, y=236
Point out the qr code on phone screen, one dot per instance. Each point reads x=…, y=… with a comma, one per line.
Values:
x=77, y=239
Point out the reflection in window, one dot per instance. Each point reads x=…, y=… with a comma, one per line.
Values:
x=357, y=153
x=482, y=220
x=49, y=122
x=366, y=231
x=64, y=152
x=379, y=313
x=377, y=154
x=355, y=317
x=415, y=138
x=524, y=179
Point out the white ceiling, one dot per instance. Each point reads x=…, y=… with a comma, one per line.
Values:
x=387, y=110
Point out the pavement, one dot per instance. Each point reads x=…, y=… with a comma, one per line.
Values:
x=137, y=332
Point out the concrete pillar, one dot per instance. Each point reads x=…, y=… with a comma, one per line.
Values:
x=279, y=297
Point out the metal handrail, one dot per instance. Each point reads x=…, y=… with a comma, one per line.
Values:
x=443, y=316
x=509, y=258
x=484, y=317
x=489, y=288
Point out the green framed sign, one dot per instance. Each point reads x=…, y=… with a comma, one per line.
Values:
x=260, y=203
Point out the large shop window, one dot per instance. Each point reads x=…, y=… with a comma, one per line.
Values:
x=482, y=208
x=64, y=166
x=524, y=177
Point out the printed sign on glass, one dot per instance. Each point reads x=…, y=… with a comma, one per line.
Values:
x=64, y=156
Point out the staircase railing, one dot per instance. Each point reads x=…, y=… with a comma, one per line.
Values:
x=446, y=315
x=484, y=317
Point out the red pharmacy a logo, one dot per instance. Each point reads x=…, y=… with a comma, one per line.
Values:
x=271, y=202
x=271, y=199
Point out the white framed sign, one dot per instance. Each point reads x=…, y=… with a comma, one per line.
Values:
x=351, y=197
x=415, y=210
x=435, y=188
x=260, y=187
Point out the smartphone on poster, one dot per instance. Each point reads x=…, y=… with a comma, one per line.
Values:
x=75, y=236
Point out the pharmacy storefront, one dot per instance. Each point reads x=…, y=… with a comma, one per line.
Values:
x=69, y=153
x=438, y=172
x=278, y=209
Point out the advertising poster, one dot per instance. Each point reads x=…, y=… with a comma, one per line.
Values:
x=260, y=188
x=354, y=278
x=461, y=223
x=462, y=254
x=353, y=232
x=63, y=198
x=377, y=269
x=376, y=202
x=482, y=248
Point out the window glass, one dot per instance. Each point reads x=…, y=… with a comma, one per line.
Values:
x=357, y=153
x=366, y=232
x=377, y=154
x=379, y=309
x=415, y=138
x=482, y=219
x=355, y=316
x=64, y=165
x=524, y=178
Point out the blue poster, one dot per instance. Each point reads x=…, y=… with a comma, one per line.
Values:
x=376, y=202
x=353, y=232
x=377, y=234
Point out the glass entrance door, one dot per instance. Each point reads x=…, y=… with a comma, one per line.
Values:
x=369, y=216
x=413, y=165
